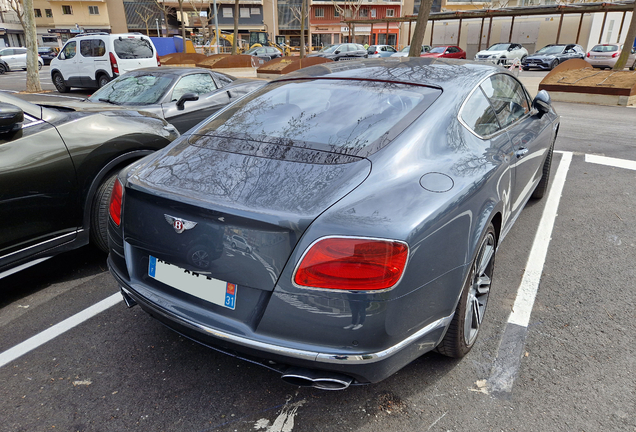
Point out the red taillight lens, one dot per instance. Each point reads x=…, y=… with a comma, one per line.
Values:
x=588, y=55
x=115, y=202
x=352, y=264
x=113, y=63
x=376, y=52
x=158, y=60
x=615, y=55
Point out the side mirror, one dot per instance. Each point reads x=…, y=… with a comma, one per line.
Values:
x=185, y=98
x=61, y=56
x=542, y=103
x=337, y=52
x=11, y=118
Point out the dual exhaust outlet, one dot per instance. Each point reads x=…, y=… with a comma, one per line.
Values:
x=295, y=376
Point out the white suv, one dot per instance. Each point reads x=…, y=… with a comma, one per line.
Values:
x=16, y=58
x=91, y=60
x=502, y=53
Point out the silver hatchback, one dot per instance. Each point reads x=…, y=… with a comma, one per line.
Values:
x=605, y=56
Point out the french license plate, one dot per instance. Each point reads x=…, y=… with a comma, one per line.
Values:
x=204, y=287
x=532, y=64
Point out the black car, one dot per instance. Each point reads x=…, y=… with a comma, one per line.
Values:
x=549, y=57
x=48, y=54
x=57, y=168
x=358, y=210
x=346, y=51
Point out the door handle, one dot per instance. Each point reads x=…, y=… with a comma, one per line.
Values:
x=521, y=152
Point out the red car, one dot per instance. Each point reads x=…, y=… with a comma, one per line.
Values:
x=450, y=51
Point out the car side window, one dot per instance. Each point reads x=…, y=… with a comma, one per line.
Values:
x=6, y=52
x=92, y=48
x=196, y=83
x=479, y=115
x=70, y=50
x=507, y=98
x=222, y=79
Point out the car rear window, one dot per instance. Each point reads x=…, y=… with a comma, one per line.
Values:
x=351, y=117
x=605, y=48
x=133, y=48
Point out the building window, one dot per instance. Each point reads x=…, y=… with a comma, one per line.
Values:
x=38, y=13
x=336, y=13
x=48, y=13
x=256, y=11
x=227, y=13
x=244, y=12
x=364, y=13
x=93, y=10
x=348, y=13
x=67, y=10
x=320, y=13
x=372, y=13
x=390, y=12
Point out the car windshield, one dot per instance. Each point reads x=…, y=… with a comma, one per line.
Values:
x=548, y=50
x=252, y=50
x=438, y=50
x=345, y=117
x=605, y=48
x=146, y=89
x=406, y=49
x=498, y=47
x=326, y=48
x=132, y=48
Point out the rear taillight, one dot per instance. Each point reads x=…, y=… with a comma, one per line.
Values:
x=113, y=64
x=352, y=264
x=115, y=202
x=588, y=55
x=377, y=52
x=158, y=60
x=615, y=55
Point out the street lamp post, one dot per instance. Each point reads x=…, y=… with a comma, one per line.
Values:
x=157, y=22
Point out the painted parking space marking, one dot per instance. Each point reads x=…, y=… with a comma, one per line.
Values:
x=58, y=329
x=610, y=161
x=512, y=344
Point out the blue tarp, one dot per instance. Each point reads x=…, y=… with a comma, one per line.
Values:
x=168, y=45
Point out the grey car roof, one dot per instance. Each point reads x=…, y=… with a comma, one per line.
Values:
x=456, y=76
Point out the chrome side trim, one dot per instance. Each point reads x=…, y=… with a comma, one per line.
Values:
x=333, y=358
x=71, y=234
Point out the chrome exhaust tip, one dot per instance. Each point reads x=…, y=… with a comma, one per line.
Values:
x=317, y=379
x=130, y=302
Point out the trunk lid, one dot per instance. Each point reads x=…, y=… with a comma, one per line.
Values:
x=251, y=202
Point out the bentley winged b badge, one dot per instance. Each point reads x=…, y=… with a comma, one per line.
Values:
x=179, y=225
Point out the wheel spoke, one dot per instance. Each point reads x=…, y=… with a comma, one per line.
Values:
x=482, y=285
x=477, y=317
x=486, y=257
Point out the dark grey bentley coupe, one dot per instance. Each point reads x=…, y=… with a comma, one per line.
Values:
x=340, y=221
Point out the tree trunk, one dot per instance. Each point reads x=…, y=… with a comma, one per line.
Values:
x=183, y=34
x=33, y=76
x=236, y=22
x=629, y=43
x=309, y=25
x=420, y=28
x=303, y=14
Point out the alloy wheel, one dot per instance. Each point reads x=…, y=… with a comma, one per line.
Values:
x=479, y=289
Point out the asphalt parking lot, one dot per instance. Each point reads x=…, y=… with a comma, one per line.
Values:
x=118, y=369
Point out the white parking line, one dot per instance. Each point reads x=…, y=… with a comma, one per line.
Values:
x=58, y=329
x=609, y=161
x=506, y=365
x=527, y=291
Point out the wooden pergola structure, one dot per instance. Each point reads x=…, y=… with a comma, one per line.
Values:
x=580, y=8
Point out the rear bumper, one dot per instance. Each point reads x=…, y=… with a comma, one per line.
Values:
x=364, y=367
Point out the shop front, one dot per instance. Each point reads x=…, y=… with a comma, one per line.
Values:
x=382, y=36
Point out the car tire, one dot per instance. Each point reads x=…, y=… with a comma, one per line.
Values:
x=249, y=251
x=554, y=64
x=633, y=66
x=58, y=81
x=542, y=186
x=3, y=70
x=469, y=314
x=39, y=66
x=526, y=68
x=99, y=213
x=233, y=245
x=102, y=80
